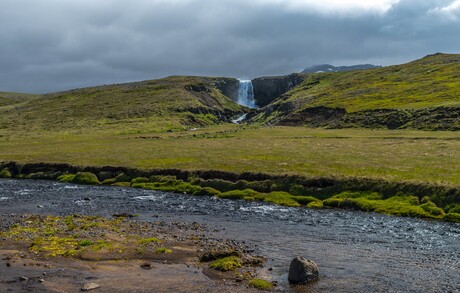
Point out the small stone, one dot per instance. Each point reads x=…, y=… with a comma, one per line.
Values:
x=302, y=271
x=146, y=266
x=22, y=278
x=40, y=206
x=8, y=264
x=41, y=280
x=270, y=269
x=90, y=286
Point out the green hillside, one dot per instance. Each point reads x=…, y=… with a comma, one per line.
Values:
x=15, y=98
x=420, y=94
x=156, y=105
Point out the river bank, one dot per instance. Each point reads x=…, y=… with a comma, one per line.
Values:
x=355, y=251
x=422, y=200
x=119, y=254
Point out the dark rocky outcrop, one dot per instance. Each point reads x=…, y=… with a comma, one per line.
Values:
x=229, y=87
x=267, y=89
x=439, y=118
x=302, y=271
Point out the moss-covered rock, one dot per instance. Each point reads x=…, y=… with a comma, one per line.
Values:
x=140, y=180
x=318, y=204
x=67, y=178
x=452, y=217
x=5, y=173
x=85, y=178
x=261, y=284
x=226, y=264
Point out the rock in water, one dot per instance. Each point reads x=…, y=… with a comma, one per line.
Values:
x=89, y=286
x=302, y=270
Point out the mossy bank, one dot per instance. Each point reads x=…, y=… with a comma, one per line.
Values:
x=394, y=198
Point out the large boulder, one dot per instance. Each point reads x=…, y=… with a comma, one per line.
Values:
x=302, y=271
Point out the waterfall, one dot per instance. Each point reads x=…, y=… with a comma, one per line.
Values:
x=246, y=94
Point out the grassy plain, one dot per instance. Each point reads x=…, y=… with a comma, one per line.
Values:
x=396, y=155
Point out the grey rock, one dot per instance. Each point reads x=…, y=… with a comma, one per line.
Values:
x=302, y=271
x=89, y=286
x=22, y=278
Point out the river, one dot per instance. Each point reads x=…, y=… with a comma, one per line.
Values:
x=355, y=251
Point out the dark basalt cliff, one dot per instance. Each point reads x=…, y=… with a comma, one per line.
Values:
x=229, y=87
x=267, y=89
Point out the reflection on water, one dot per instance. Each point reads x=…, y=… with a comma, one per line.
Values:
x=356, y=252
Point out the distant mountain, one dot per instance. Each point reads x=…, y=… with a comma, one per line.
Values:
x=332, y=68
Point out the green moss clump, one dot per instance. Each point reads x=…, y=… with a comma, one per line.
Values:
x=431, y=208
x=297, y=189
x=261, y=284
x=452, y=217
x=239, y=194
x=140, y=180
x=85, y=178
x=80, y=178
x=5, y=173
x=109, y=181
x=85, y=242
x=146, y=241
x=281, y=198
x=305, y=200
x=453, y=208
x=221, y=185
x=399, y=205
x=163, y=250
x=318, y=204
x=226, y=264
x=68, y=178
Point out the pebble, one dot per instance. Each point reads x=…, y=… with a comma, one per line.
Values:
x=90, y=286
x=41, y=280
x=22, y=278
x=146, y=266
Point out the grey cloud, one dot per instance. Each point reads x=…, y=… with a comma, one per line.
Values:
x=52, y=45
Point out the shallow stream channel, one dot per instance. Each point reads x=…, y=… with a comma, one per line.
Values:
x=355, y=251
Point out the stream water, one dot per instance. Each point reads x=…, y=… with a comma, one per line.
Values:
x=356, y=251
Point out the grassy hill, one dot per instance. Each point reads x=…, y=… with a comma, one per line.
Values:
x=157, y=105
x=421, y=94
x=15, y=98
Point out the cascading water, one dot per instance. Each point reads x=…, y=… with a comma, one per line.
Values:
x=246, y=94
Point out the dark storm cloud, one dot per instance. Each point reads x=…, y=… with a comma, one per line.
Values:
x=51, y=45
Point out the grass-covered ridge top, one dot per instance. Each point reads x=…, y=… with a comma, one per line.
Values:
x=175, y=102
x=402, y=90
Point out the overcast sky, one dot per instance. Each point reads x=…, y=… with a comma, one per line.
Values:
x=51, y=45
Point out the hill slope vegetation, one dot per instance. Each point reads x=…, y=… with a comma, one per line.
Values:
x=157, y=105
x=422, y=94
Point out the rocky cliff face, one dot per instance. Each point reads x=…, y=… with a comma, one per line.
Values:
x=229, y=87
x=267, y=89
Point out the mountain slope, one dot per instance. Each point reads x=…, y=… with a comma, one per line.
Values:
x=420, y=94
x=170, y=103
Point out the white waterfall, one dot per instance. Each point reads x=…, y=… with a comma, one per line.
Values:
x=246, y=94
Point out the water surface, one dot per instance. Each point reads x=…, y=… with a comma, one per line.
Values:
x=356, y=251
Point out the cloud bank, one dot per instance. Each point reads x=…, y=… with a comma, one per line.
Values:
x=52, y=45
